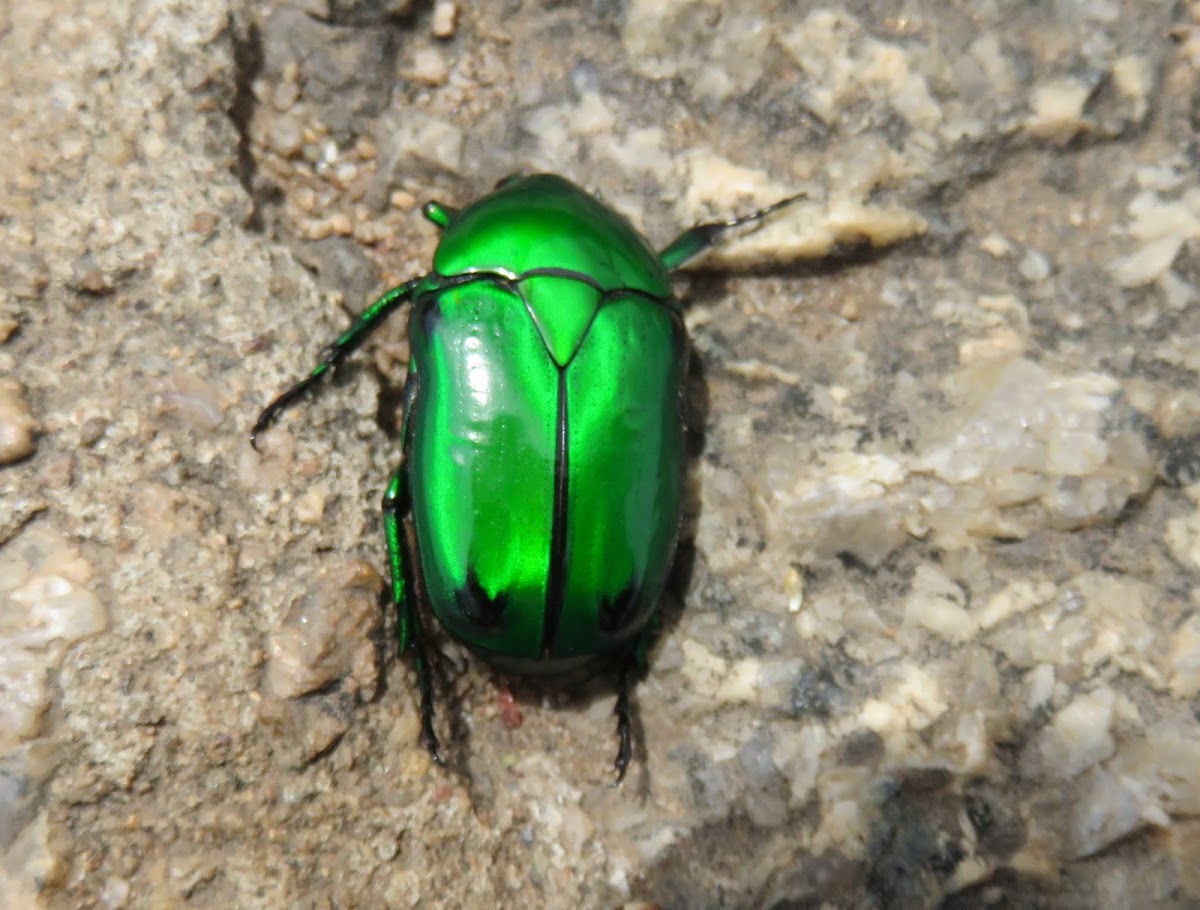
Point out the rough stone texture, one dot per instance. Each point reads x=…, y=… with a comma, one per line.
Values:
x=934, y=635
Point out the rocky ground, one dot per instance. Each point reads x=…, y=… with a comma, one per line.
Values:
x=935, y=631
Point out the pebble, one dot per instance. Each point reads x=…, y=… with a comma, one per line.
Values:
x=1183, y=538
x=328, y=636
x=286, y=94
x=1108, y=808
x=92, y=431
x=1183, y=659
x=305, y=198
x=1057, y=114
x=445, y=14
x=430, y=140
x=301, y=730
x=708, y=785
x=285, y=136
x=194, y=400
x=90, y=279
x=1079, y=736
x=1034, y=266
x=310, y=507
x=996, y=245
x=767, y=790
x=45, y=605
x=429, y=67
x=17, y=424
x=9, y=323
x=938, y=604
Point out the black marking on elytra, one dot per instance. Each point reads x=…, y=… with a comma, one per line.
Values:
x=475, y=603
x=616, y=612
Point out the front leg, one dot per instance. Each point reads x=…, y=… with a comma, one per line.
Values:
x=371, y=318
x=696, y=240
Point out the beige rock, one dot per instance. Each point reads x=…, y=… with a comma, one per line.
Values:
x=1079, y=736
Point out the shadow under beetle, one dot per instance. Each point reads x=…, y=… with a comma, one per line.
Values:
x=536, y=509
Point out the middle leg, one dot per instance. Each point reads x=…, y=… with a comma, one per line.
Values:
x=396, y=506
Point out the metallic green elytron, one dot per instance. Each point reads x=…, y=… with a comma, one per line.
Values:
x=536, y=509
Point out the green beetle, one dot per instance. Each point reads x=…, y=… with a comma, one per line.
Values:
x=536, y=509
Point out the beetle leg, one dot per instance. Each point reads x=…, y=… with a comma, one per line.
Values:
x=371, y=318
x=635, y=662
x=696, y=240
x=624, y=722
x=429, y=737
x=396, y=504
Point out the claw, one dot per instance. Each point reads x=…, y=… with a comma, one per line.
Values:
x=430, y=741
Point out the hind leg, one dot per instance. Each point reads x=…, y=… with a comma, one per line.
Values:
x=631, y=668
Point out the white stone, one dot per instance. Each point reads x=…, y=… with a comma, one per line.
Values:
x=445, y=14
x=1183, y=659
x=328, y=635
x=704, y=671
x=742, y=683
x=798, y=756
x=911, y=702
x=1079, y=736
x=1040, y=683
x=17, y=425
x=429, y=66
x=936, y=604
x=1057, y=113
x=45, y=607
x=967, y=746
x=427, y=138
x=996, y=245
x=1034, y=266
x=1013, y=599
x=1165, y=762
x=1146, y=264
x=1183, y=539
x=1109, y=807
